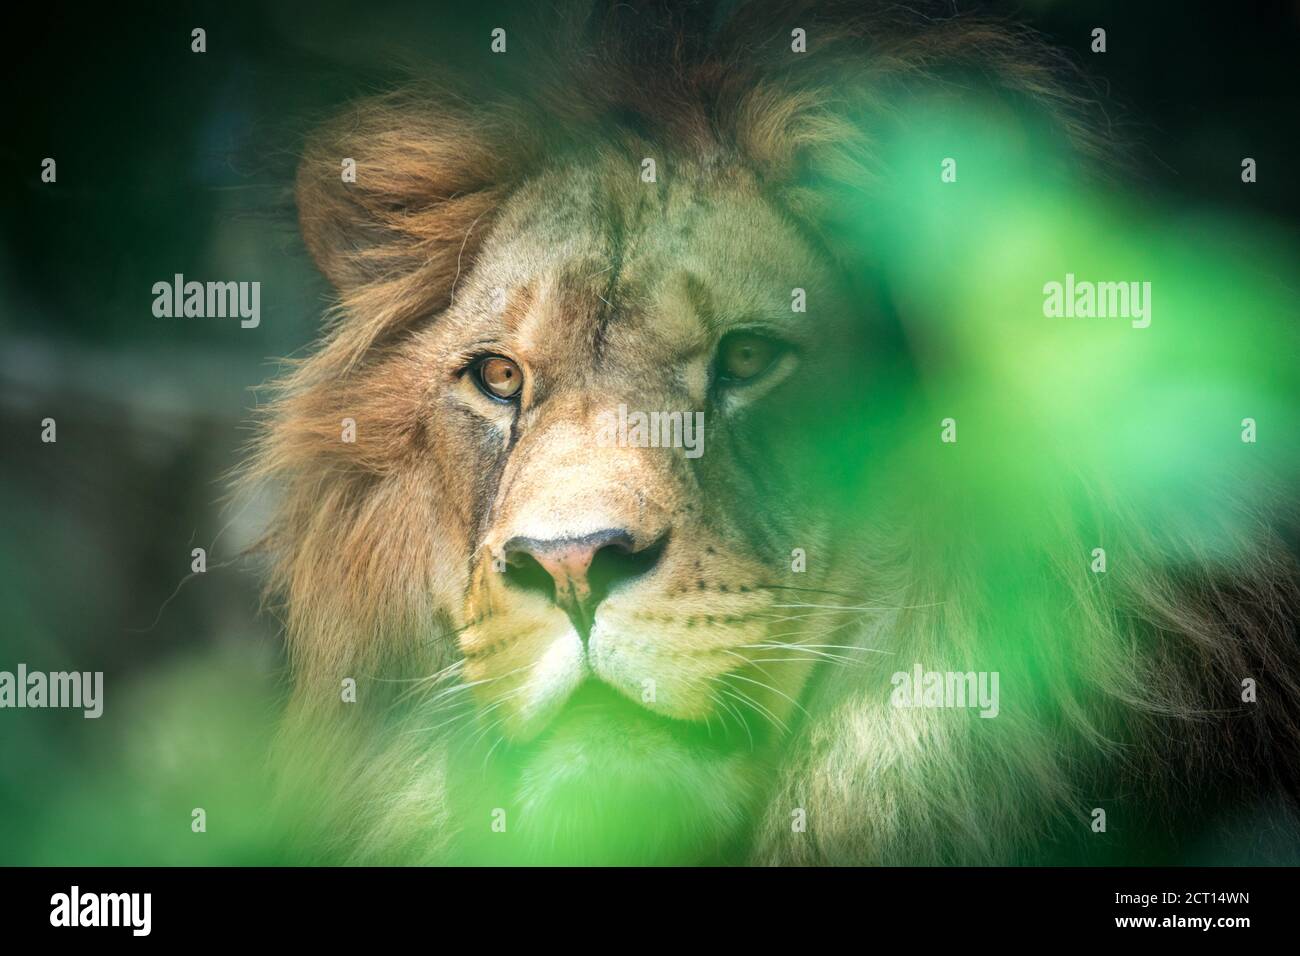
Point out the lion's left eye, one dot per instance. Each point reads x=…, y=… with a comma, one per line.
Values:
x=744, y=355
x=499, y=377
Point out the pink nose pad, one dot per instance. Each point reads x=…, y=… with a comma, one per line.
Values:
x=568, y=569
x=568, y=563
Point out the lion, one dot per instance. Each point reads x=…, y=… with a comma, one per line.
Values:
x=525, y=625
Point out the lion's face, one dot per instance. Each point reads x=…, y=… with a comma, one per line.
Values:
x=588, y=481
x=596, y=564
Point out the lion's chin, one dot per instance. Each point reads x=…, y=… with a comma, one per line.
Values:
x=608, y=782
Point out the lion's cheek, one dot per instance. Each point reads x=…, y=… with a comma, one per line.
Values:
x=522, y=668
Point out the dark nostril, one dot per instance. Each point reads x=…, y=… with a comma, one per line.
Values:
x=525, y=572
x=618, y=562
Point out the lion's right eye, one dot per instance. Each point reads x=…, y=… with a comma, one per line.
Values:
x=743, y=356
x=499, y=377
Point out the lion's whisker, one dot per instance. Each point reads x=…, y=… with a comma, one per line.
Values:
x=423, y=684
x=488, y=756
x=774, y=690
x=812, y=653
x=864, y=607
x=788, y=587
x=739, y=715
x=747, y=699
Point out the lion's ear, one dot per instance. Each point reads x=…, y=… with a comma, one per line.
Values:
x=395, y=195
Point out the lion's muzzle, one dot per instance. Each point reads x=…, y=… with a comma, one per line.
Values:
x=582, y=570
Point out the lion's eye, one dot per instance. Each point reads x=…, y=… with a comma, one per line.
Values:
x=499, y=377
x=744, y=355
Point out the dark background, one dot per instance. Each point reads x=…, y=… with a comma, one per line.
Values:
x=170, y=161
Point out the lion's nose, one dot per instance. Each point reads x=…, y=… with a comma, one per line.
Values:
x=579, y=572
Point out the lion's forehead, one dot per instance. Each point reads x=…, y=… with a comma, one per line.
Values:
x=580, y=263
